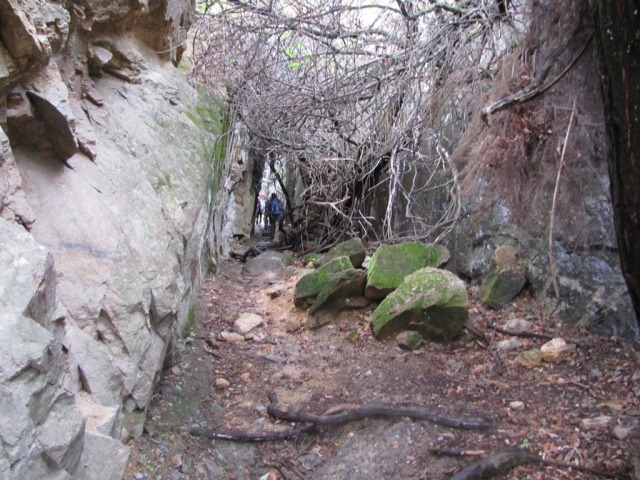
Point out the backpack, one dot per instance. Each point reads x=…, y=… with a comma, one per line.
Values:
x=275, y=208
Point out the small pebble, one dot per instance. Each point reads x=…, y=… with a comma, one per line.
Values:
x=594, y=375
x=516, y=405
x=621, y=432
x=222, y=383
x=596, y=423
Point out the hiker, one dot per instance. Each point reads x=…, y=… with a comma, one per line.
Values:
x=274, y=208
x=267, y=214
x=259, y=210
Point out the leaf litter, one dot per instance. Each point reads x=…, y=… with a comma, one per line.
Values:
x=579, y=410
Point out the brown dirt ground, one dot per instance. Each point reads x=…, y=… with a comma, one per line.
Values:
x=316, y=370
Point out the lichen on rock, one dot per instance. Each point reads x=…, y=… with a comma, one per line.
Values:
x=312, y=284
x=331, y=300
x=431, y=301
x=354, y=249
x=505, y=278
x=390, y=264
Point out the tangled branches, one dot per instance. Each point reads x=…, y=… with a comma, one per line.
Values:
x=341, y=92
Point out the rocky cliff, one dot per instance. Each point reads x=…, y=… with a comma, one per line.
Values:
x=110, y=215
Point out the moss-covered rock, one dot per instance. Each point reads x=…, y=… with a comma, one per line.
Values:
x=331, y=300
x=310, y=285
x=504, y=280
x=431, y=301
x=311, y=258
x=390, y=264
x=354, y=249
x=409, y=340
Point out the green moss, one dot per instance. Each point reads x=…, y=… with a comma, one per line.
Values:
x=353, y=336
x=190, y=323
x=390, y=264
x=354, y=249
x=313, y=283
x=211, y=116
x=343, y=284
x=163, y=181
x=311, y=257
x=430, y=300
x=409, y=339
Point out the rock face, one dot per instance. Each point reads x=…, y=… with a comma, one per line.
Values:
x=505, y=278
x=41, y=427
x=431, y=301
x=110, y=213
x=390, y=264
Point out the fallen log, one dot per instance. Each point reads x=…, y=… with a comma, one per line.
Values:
x=335, y=416
x=242, y=436
x=377, y=411
x=501, y=462
x=494, y=465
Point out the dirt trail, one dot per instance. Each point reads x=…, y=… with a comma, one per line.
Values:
x=225, y=384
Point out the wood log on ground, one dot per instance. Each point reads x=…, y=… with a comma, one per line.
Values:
x=501, y=462
x=339, y=416
x=241, y=436
x=378, y=411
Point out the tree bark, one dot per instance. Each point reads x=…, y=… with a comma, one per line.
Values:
x=618, y=33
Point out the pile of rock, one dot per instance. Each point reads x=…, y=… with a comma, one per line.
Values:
x=417, y=297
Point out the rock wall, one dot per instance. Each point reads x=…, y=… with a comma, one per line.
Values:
x=110, y=216
x=510, y=188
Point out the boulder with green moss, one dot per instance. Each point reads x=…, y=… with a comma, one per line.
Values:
x=310, y=285
x=390, y=264
x=504, y=280
x=354, y=249
x=409, y=340
x=431, y=301
x=340, y=287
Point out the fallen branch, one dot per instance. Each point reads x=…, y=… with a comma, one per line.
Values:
x=541, y=336
x=242, y=436
x=502, y=462
x=371, y=411
x=536, y=87
x=483, y=342
x=552, y=263
x=347, y=413
x=455, y=452
x=494, y=465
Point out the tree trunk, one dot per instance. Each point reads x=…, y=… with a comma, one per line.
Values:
x=618, y=25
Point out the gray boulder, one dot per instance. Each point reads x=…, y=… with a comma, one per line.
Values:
x=505, y=278
x=390, y=264
x=266, y=262
x=431, y=301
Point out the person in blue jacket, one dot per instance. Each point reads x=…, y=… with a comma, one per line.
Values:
x=274, y=207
